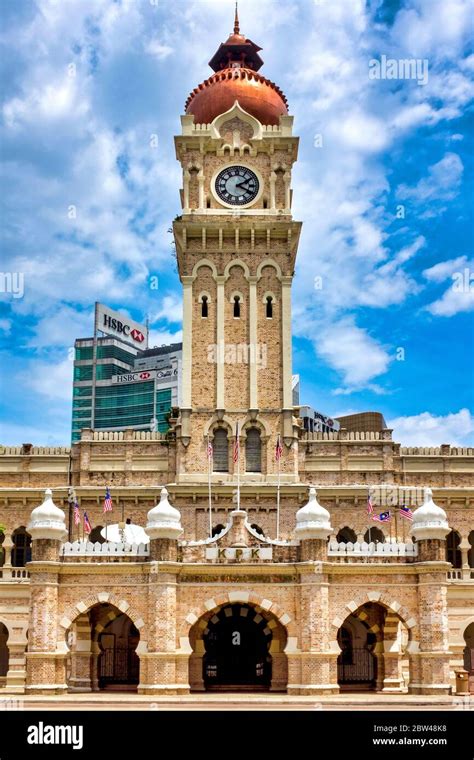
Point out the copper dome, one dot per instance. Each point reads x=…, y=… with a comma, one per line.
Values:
x=236, y=63
x=256, y=95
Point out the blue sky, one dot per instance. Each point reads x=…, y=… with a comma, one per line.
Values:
x=89, y=194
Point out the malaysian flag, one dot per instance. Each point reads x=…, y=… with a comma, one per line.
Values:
x=236, y=445
x=370, y=506
x=382, y=517
x=406, y=513
x=278, y=449
x=77, y=514
x=210, y=450
x=87, y=525
x=107, y=501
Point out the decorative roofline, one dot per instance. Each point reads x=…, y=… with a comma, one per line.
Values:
x=229, y=73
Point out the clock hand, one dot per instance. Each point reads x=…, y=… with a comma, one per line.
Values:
x=241, y=184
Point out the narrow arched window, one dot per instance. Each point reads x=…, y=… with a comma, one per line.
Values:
x=253, y=451
x=269, y=307
x=21, y=552
x=204, y=307
x=236, y=307
x=220, y=454
x=453, y=552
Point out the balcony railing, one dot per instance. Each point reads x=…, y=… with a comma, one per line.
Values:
x=383, y=550
x=105, y=551
x=466, y=574
x=14, y=574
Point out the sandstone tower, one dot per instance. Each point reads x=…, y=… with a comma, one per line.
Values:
x=236, y=244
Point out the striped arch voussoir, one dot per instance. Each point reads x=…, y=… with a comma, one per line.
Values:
x=85, y=604
x=232, y=597
x=353, y=607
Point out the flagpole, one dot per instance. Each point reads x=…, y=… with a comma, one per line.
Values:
x=371, y=519
x=403, y=535
x=278, y=502
x=238, y=468
x=209, y=485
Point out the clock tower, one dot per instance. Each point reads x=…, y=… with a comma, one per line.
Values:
x=236, y=244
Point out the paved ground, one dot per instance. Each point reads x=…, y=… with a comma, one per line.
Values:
x=127, y=701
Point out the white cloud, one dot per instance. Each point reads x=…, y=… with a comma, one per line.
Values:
x=456, y=299
x=62, y=327
x=427, y=429
x=6, y=325
x=164, y=337
x=442, y=183
x=353, y=352
x=52, y=379
x=171, y=309
x=459, y=296
x=444, y=269
x=158, y=49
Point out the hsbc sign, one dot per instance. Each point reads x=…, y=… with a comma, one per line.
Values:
x=144, y=375
x=116, y=324
x=135, y=377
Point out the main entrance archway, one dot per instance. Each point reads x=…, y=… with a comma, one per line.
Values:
x=238, y=647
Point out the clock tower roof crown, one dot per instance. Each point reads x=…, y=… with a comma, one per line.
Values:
x=236, y=64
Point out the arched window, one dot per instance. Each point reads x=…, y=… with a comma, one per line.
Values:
x=453, y=552
x=2, y=550
x=346, y=536
x=204, y=307
x=469, y=648
x=257, y=529
x=217, y=529
x=269, y=307
x=21, y=552
x=236, y=307
x=470, y=554
x=4, y=652
x=374, y=535
x=220, y=455
x=95, y=536
x=253, y=451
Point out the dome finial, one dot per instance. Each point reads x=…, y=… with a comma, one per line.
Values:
x=236, y=20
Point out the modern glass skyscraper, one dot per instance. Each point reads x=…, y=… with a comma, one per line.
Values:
x=133, y=388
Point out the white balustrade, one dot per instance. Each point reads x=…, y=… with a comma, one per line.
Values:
x=105, y=550
x=378, y=549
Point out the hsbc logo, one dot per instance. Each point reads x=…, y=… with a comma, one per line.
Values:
x=123, y=329
x=137, y=335
x=144, y=375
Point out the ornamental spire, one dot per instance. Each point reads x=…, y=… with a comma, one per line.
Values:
x=236, y=20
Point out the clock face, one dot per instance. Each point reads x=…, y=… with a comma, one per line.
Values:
x=237, y=185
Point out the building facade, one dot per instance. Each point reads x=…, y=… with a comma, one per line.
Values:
x=122, y=387
x=250, y=579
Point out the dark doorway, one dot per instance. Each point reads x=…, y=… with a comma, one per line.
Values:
x=356, y=664
x=237, y=642
x=119, y=664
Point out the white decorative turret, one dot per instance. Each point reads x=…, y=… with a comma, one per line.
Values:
x=47, y=520
x=313, y=520
x=429, y=520
x=164, y=521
